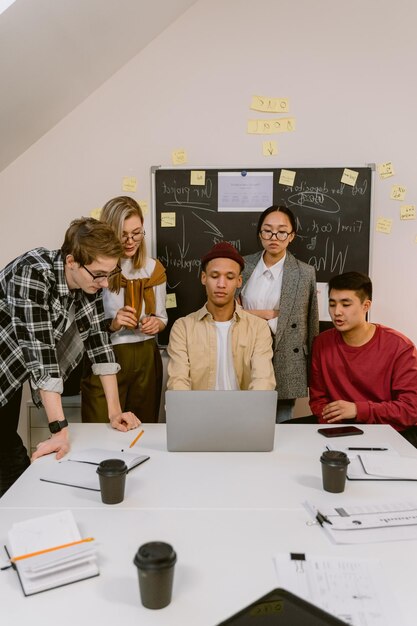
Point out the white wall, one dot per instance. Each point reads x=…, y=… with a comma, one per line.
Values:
x=348, y=69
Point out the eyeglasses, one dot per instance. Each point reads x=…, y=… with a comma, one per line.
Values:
x=133, y=236
x=103, y=276
x=281, y=235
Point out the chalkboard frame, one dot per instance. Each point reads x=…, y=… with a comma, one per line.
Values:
x=362, y=193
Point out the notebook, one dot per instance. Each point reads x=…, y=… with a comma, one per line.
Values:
x=80, y=470
x=220, y=421
x=49, y=552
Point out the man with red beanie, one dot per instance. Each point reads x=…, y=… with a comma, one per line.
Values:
x=220, y=346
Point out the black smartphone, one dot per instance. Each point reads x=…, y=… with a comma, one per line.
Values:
x=340, y=431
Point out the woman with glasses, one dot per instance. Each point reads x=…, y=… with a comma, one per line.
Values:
x=282, y=290
x=134, y=306
x=51, y=311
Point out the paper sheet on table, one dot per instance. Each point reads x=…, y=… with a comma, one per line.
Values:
x=373, y=523
x=354, y=590
x=391, y=467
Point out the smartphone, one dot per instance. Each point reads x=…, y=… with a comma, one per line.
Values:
x=341, y=431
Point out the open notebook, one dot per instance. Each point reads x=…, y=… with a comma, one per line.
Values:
x=49, y=552
x=377, y=463
x=80, y=469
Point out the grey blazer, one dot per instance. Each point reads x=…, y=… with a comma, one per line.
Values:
x=298, y=324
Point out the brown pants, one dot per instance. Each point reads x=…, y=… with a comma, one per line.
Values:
x=139, y=381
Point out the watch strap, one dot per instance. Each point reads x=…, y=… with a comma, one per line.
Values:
x=57, y=426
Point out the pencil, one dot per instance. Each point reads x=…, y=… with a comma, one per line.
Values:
x=136, y=438
x=65, y=545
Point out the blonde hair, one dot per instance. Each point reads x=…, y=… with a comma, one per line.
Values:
x=114, y=213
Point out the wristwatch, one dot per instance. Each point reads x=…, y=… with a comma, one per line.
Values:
x=56, y=427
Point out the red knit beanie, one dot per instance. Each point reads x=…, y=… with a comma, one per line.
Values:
x=223, y=250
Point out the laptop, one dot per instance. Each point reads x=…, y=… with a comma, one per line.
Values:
x=220, y=421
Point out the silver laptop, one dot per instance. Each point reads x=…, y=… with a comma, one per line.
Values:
x=220, y=421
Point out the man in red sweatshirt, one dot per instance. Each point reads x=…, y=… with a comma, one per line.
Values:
x=362, y=372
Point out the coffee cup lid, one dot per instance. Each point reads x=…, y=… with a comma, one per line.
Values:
x=155, y=555
x=334, y=457
x=112, y=467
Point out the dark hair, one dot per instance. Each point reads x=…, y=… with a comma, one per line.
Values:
x=87, y=238
x=282, y=209
x=360, y=283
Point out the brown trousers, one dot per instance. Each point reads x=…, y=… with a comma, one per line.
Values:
x=139, y=381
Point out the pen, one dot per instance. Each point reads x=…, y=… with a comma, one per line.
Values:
x=136, y=438
x=65, y=545
x=371, y=449
x=322, y=518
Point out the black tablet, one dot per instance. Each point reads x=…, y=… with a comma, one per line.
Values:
x=282, y=608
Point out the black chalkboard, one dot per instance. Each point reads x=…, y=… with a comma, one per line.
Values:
x=333, y=225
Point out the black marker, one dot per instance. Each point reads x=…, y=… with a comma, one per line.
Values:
x=322, y=518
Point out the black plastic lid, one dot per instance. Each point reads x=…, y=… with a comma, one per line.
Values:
x=155, y=555
x=112, y=467
x=334, y=457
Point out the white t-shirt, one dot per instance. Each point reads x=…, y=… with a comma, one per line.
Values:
x=115, y=301
x=225, y=373
x=263, y=289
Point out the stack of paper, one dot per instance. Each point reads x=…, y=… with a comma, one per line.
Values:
x=354, y=590
x=49, y=552
x=385, y=521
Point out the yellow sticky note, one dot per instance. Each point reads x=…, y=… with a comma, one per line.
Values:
x=95, y=213
x=198, y=177
x=269, y=148
x=168, y=220
x=398, y=192
x=170, y=301
x=179, y=157
x=383, y=225
x=270, y=105
x=287, y=177
x=129, y=183
x=408, y=212
x=349, y=177
x=144, y=206
x=385, y=170
x=269, y=127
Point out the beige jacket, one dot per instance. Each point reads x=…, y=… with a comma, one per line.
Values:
x=192, y=352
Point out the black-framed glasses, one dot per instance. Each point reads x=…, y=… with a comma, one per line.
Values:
x=280, y=235
x=137, y=236
x=115, y=272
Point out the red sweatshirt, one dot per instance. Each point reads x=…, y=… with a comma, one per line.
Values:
x=380, y=377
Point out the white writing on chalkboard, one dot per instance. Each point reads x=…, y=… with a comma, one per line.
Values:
x=333, y=224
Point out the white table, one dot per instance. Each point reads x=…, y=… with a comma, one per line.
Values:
x=281, y=479
x=226, y=515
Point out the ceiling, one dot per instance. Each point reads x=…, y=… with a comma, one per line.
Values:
x=55, y=53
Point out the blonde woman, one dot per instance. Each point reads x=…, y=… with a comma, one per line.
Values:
x=134, y=306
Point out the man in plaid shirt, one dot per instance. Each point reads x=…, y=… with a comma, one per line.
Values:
x=51, y=310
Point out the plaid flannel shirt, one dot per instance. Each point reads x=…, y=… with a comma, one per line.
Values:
x=34, y=310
